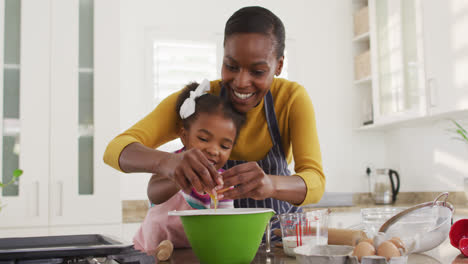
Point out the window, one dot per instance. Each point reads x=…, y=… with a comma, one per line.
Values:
x=176, y=64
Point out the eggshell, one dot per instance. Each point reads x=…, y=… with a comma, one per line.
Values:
x=363, y=249
x=388, y=250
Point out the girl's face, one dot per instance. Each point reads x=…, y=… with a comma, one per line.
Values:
x=213, y=134
x=249, y=65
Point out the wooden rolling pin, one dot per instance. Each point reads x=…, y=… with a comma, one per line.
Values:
x=338, y=236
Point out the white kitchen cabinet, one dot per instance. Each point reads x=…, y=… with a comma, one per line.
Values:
x=418, y=61
x=399, y=72
x=25, y=105
x=362, y=48
x=446, y=62
x=395, y=89
x=69, y=105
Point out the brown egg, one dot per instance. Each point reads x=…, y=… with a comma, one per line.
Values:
x=388, y=250
x=363, y=249
x=398, y=243
x=368, y=240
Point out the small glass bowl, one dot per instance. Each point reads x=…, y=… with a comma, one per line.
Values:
x=373, y=218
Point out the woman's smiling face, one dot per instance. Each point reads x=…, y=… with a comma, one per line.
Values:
x=249, y=66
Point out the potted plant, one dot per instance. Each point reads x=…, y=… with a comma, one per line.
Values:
x=461, y=132
x=16, y=174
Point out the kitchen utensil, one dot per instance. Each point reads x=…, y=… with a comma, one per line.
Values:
x=349, y=237
x=373, y=218
x=379, y=260
x=339, y=236
x=303, y=228
x=329, y=254
x=385, y=189
x=421, y=227
x=59, y=246
x=463, y=246
x=459, y=236
x=225, y=235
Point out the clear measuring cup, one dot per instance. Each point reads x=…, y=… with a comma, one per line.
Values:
x=303, y=229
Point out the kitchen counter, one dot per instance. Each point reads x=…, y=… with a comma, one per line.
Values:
x=186, y=256
x=443, y=254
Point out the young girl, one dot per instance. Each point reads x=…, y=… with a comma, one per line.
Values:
x=209, y=128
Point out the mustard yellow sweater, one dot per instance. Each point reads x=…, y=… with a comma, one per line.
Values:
x=296, y=121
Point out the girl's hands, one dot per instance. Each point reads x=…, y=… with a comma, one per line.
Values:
x=191, y=168
x=250, y=181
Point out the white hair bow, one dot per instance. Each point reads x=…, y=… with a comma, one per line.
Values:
x=188, y=107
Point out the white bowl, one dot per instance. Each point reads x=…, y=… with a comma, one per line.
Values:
x=373, y=218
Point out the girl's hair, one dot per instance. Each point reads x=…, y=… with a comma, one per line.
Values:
x=211, y=104
x=256, y=19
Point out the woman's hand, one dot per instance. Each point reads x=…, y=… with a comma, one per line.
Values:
x=250, y=181
x=191, y=168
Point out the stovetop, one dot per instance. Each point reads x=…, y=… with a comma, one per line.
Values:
x=127, y=256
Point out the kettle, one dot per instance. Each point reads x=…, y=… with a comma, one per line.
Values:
x=384, y=187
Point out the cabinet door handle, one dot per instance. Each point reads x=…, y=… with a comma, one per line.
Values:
x=59, y=207
x=36, y=190
x=432, y=92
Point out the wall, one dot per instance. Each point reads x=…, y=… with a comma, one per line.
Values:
x=427, y=156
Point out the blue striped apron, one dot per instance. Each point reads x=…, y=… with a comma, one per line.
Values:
x=274, y=163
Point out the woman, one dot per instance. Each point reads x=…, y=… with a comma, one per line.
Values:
x=280, y=124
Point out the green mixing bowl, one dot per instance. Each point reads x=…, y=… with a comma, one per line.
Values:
x=225, y=235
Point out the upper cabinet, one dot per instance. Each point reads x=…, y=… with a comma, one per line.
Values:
x=60, y=68
x=362, y=48
x=25, y=107
x=415, y=60
x=399, y=74
x=446, y=54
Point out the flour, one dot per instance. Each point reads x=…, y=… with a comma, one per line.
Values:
x=290, y=243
